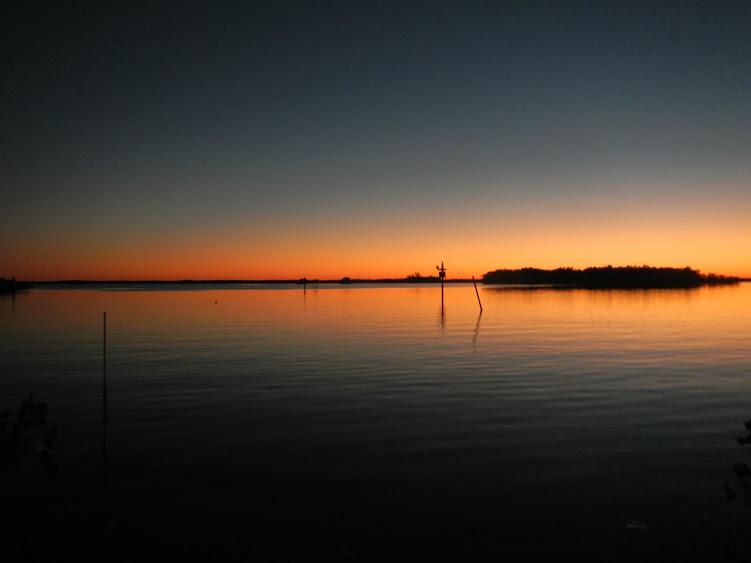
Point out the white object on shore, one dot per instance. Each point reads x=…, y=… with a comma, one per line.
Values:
x=636, y=525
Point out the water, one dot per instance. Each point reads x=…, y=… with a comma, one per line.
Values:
x=362, y=422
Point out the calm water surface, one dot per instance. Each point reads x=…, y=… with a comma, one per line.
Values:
x=367, y=417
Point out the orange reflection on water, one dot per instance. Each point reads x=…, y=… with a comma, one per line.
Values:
x=580, y=319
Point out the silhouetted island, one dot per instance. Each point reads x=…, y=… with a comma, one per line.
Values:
x=636, y=277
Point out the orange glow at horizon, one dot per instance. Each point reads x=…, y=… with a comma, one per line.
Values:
x=472, y=250
x=471, y=238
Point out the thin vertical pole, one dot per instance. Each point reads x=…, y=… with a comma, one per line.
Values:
x=105, y=472
x=441, y=275
x=477, y=293
x=104, y=368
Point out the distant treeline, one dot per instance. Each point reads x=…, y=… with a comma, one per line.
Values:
x=417, y=278
x=610, y=277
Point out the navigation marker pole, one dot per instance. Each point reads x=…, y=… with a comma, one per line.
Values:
x=442, y=275
x=477, y=293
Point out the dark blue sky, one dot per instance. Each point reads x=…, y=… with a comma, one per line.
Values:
x=242, y=121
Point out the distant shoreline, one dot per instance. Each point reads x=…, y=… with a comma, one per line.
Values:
x=642, y=277
x=253, y=282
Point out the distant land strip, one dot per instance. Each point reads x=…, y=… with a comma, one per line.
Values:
x=7, y=286
x=609, y=277
x=345, y=280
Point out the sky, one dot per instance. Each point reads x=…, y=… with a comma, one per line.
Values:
x=277, y=140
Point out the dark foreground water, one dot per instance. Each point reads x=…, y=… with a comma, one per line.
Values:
x=361, y=423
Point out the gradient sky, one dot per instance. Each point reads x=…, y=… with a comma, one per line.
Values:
x=233, y=140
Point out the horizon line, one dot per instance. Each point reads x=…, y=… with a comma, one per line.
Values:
x=407, y=277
